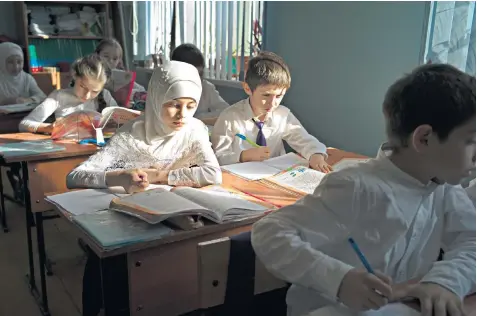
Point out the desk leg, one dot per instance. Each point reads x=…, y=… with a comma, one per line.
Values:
x=115, y=285
x=29, y=221
x=42, y=257
x=2, y=205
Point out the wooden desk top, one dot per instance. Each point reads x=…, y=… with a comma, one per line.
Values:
x=72, y=148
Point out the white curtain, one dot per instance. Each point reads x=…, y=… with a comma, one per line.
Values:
x=227, y=32
x=451, y=34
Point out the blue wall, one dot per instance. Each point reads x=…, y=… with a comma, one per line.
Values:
x=342, y=57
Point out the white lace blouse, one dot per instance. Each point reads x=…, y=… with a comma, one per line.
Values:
x=188, y=156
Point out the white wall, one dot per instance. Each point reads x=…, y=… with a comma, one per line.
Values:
x=343, y=56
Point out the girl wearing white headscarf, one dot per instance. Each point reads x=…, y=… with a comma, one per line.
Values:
x=16, y=86
x=167, y=137
x=165, y=145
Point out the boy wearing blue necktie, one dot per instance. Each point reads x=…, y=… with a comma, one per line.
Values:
x=262, y=119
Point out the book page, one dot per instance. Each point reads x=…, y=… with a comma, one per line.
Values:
x=347, y=162
x=301, y=179
x=83, y=201
x=252, y=170
x=226, y=204
x=119, y=115
x=157, y=205
x=286, y=161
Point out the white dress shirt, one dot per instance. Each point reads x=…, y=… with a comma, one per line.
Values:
x=279, y=125
x=211, y=103
x=62, y=103
x=398, y=222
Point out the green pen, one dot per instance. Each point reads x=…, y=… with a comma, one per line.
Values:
x=247, y=140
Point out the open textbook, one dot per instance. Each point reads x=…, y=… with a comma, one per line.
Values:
x=256, y=170
x=17, y=108
x=298, y=180
x=87, y=124
x=215, y=203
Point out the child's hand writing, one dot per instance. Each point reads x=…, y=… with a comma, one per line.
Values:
x=132, y=180
x=358, y=290
x=436, y=300
x=317, y=162
x=255, y=154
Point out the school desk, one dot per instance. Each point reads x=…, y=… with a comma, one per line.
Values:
x=161, y=276
x=41, y=173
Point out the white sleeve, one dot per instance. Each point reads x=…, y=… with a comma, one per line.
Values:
x=456, y=272
x=92, y=172
x=205, y=173
x=108, y=98
x=300, y=140
x=471, y=191
x=34, y=92
x=281, y=240
x=213, y=101
x=39, y=114
x=222, y=140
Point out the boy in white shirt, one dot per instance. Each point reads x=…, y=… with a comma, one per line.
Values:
x=211, y=103
x=399, y=208
x=263, y=120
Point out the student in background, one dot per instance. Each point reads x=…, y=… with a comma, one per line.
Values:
x=167, y=138
x=16, y=86
x=89, y=75
x=112, y=52
x=262, y=118
x=211, y=103
x=399, y=208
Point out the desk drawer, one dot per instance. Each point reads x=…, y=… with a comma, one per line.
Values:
x=164, y=280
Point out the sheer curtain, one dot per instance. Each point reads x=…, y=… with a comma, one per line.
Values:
x=451, y=34
x=227, y=32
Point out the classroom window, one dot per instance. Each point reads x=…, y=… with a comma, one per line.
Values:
x=227, y=32
x=451, y=34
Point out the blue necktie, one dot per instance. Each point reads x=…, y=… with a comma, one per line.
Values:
x=261, y=141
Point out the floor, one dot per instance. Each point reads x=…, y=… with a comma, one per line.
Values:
x=64, y=286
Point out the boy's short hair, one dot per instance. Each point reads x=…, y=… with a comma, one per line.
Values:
x=267, y=69
x=188, y=53
x=439, y=95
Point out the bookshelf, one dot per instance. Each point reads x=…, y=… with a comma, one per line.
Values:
x=55, y=47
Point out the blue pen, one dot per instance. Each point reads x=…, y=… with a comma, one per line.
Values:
x=360, y=255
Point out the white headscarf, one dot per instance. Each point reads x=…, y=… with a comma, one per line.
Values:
x=172, y=81
x=10, y=86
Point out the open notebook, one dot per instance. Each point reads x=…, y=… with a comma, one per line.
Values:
x=86, y=124
x=256, y=170
x=215, y=203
